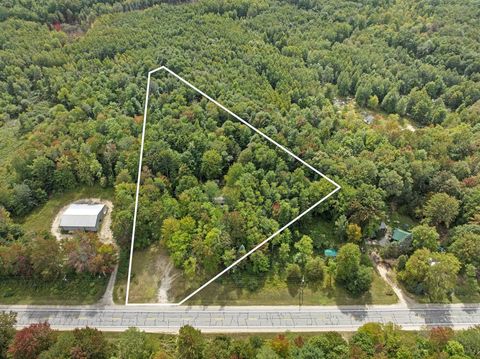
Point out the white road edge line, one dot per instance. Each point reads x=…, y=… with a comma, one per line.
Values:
x=337, y=187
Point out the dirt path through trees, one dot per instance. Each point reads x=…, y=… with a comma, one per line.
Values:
x=168, y=276
x=165, y=283
x=384, y=271
x=403, y=299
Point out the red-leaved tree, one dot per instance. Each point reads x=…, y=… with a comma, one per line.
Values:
x=439, y=337
x=90, y=343
x=29, y=342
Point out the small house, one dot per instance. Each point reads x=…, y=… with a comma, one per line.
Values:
x=399, y=235
x=382, y=235
x=83, y=217
x=382, y=230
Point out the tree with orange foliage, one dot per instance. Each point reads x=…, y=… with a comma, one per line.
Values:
x=439, y=337
x=281, y=346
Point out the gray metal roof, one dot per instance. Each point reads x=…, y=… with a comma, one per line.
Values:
x=81, y=215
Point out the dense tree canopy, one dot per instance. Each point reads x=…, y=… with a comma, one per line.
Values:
x=73, y=78
x=370, y=340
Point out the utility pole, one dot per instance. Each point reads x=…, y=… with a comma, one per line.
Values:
x=302, y=284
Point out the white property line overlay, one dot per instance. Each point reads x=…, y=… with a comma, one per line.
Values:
x=337, y=188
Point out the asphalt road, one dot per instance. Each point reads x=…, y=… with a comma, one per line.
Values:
x=246, y=319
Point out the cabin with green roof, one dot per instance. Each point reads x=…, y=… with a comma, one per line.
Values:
x=399, y=235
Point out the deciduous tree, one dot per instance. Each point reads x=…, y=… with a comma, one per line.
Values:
x=134, y=343
x=441, y=209
x=90, y=343
x=190, y=343
x=355, y=277
x=29, y=342
x=354, y=232
x=211, y=166
x=425, y=236
x=47, y=257
x=7, y=331
x=314, y=270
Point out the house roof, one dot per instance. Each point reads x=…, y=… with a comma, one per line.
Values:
x=368, y=119
x=399, y=234
x=81, y=215
x=330, y=252
x=383, y=225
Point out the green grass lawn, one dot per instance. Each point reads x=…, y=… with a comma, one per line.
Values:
x=460, y=297
x=321, y=231
x=273, y=290
x=42, y=217
x=380, y=116
x=79, y=290
x=277, y=292
x=145, y=275
x=121, y=280
x=399, y=219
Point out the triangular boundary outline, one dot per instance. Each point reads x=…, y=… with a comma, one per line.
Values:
x=261, y=244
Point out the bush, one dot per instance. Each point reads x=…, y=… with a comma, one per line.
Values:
x=190, y=343
x=402, y=261
x=315, y=269
x=294, y=273
x=361, y=282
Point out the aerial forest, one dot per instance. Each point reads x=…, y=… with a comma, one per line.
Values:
x=307, y=73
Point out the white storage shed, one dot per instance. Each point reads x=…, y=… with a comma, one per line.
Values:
x=83, y=217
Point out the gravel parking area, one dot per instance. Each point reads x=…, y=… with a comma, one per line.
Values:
x=105, y=233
